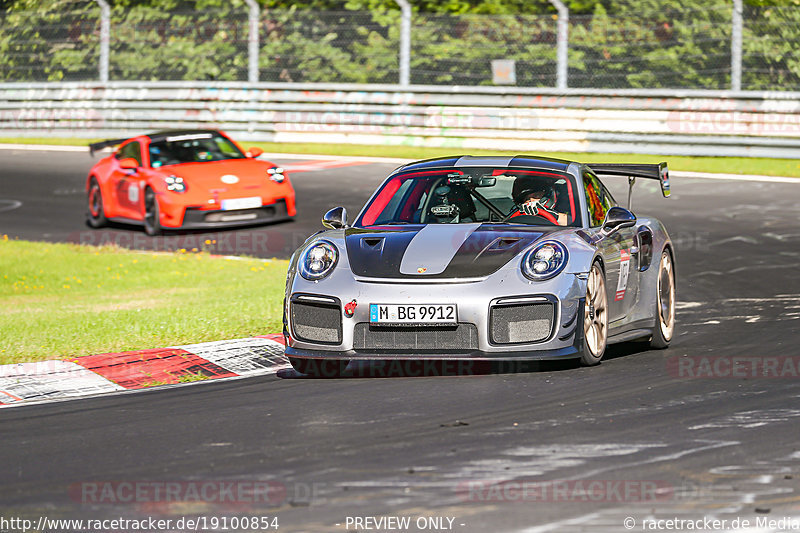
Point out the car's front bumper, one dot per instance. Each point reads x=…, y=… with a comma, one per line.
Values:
x=201, y=218
x=357, y=339
x=175, y=216
x=568, y=352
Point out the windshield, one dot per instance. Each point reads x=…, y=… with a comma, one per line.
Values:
x=477, y=194
x=192, y=148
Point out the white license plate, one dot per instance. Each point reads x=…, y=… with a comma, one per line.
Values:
x=402, y=315
x=241, y=203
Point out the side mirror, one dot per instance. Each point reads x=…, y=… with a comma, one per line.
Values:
x=129, y=163
x=616, y=219
x=254, y=152
x=336, y=218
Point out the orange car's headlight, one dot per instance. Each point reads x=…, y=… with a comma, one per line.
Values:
x=276, y=174
x=175, y=183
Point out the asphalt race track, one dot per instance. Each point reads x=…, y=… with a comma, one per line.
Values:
x=675, y=434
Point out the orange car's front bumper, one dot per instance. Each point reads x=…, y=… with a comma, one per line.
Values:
x=177, y=215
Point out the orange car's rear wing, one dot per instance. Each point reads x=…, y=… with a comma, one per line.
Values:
x=655, y=172
x=94, y=147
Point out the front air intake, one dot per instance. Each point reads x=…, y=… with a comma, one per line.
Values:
x=459, y=338
x=316, y=319
x=518, y=323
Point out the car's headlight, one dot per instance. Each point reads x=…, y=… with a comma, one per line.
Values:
x=318, y=260
x=175, y=183
x=544, y=260
x=276, y=174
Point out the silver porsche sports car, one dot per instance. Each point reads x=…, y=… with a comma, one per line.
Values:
x=483, y=258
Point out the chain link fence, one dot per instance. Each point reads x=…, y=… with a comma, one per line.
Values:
x=677, y=49
x=650, y=44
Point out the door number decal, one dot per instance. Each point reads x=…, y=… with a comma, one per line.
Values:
x=133, y=193
x=624, y=270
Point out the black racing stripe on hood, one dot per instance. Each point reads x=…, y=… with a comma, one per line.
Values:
x=383, y=259
x=487, y=250
x=484, y=252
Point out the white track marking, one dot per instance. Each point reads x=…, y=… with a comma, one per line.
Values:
x=751, y=419
x=565, y=525
x=734, y=177
x=9, y=205
x=363, y=159
x=45, y=147
x=50, y=379
x=314, y=166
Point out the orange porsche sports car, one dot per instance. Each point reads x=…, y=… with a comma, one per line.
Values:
x=188, y=179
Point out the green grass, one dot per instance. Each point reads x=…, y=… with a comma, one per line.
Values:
x=733, y=165
x=65, y=300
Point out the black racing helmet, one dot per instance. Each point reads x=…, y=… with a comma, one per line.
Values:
x=526, y=185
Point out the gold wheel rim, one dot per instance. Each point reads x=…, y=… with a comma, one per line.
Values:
x=595, y=317
x=666, y=296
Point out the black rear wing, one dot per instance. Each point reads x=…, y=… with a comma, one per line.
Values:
x=654, y=172
x=94, y=147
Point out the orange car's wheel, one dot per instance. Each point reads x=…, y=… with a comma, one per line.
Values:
x=152, y=225
x=95, y=216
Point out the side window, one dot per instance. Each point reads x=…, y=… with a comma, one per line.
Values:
x=598, y=201
x=132, y=149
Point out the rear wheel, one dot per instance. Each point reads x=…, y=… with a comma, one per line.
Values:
x=151, y=213
x=595, y=317
x=665, y=303
x=95, y=216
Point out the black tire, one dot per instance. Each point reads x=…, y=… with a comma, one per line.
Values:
x=95, y=215
x=323, y=368
x=664, y=329
x=151, y=213
x=595, y=317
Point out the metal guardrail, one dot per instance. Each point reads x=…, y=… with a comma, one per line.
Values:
x=711, y=123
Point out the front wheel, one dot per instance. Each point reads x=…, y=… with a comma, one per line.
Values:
x=152, y=226
x=665, y=303
x=595, y=317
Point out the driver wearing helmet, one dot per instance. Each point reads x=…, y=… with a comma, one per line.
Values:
x=534, y=196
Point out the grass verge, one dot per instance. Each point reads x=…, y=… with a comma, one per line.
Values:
x=731, y=165
x=66, y=300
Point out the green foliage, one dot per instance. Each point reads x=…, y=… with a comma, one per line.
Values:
x=149, y=43
x=613, y=43
x=343, y=46
x=459, y=50
x=49, y=41
x=645, y=45
x=770, y=56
